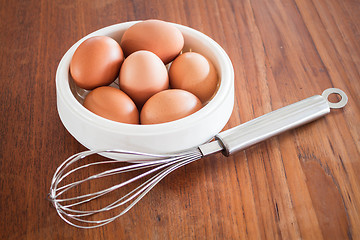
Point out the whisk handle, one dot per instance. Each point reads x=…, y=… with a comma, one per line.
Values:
x=278, y=121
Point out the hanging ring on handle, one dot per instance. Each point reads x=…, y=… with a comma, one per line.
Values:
x=341, y=103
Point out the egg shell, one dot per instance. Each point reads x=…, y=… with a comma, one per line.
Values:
x=96, y=62
x=169, y=105
x=113, y=104
x=193, y=72
x=157, y=36
x=142, y=75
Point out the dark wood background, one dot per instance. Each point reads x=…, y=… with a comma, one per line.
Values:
x=302, y=184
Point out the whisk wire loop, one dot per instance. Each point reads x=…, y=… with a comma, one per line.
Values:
x=160, y=165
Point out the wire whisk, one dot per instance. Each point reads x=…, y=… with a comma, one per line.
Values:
x=146, y=170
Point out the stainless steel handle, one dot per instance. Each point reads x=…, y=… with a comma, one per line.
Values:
x=278, y=121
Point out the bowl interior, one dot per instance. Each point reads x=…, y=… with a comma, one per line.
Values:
x=191, y=43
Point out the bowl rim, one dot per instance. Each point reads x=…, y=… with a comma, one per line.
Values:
x=64, y=91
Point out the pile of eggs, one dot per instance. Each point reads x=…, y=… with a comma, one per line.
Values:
x=157, y=82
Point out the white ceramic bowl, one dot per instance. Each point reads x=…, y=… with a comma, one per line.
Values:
x=95, y=132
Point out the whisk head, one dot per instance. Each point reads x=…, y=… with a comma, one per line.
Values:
x=116, y=185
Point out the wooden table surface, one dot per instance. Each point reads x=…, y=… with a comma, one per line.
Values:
x=301, y=184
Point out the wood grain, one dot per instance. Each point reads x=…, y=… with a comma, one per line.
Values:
x=303, y=184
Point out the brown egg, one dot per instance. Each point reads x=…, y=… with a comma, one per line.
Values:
x=193, y=72
x=96, y=62
x=142, y=75
x=112, y=103
x=169, y=105
x=156, y=36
